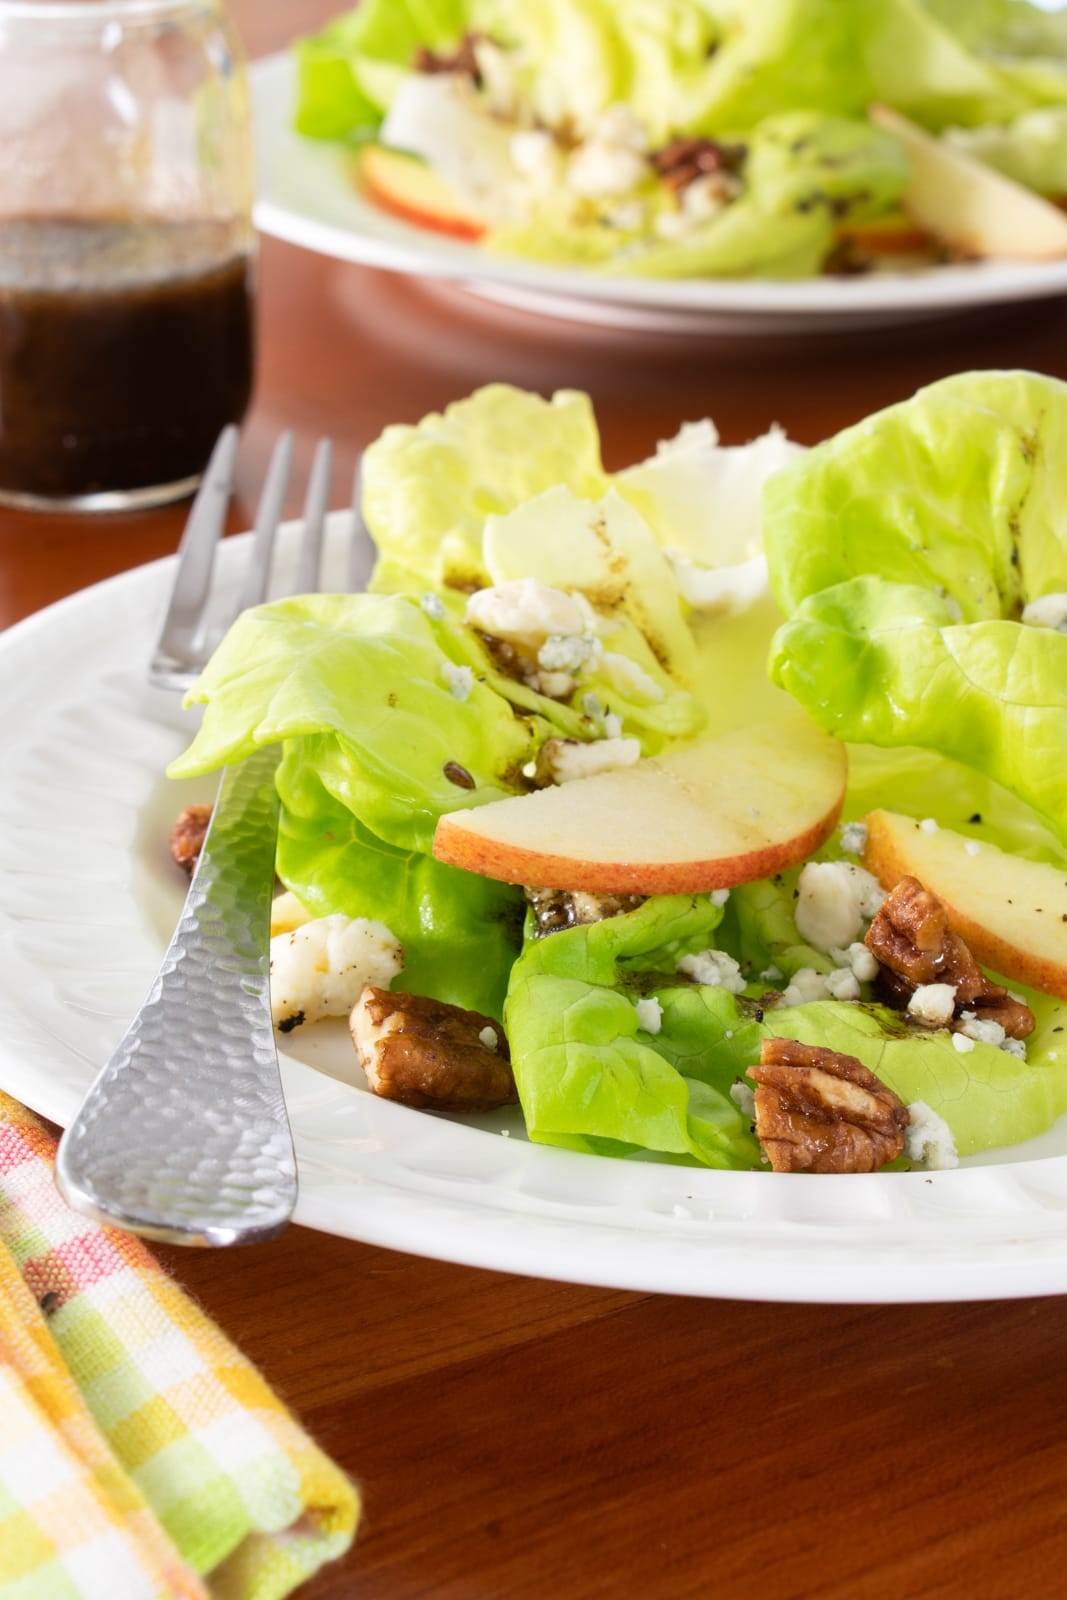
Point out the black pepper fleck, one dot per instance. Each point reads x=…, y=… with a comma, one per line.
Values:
x=458, y=775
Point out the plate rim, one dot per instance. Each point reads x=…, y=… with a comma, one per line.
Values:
x=402, y=247
x=770, y=1243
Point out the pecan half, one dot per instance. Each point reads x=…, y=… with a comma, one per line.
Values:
x=682, y=161
x=463, y=58
x=818, y=1111
x=427, y=1054
x=187, y=837
x=915, y=945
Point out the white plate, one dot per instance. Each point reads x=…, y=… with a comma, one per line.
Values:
x=88, y=896
x=306, y=197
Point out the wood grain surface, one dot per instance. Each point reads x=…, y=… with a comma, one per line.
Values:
x=543, y=1442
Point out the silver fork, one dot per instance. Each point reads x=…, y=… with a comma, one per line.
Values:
x=184, y=1135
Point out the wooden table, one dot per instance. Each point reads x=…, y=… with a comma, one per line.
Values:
x=530, y=1440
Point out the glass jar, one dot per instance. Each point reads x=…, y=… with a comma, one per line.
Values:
x=126, y=248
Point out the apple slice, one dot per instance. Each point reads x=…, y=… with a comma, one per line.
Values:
x=411, y=189
x=726, y=811
x=969, y=205
x=1010, y=911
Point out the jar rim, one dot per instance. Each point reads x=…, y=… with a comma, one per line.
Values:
x=95, y=12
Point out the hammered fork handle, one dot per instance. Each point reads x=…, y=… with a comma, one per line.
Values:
x=184, y=1135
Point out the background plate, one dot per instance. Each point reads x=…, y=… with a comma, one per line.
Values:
x=88, y=896
x=306, y=197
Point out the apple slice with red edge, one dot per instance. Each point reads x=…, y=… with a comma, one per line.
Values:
x=409, y=188
x=725, y=811
x=969, y=205
x=1011, y=912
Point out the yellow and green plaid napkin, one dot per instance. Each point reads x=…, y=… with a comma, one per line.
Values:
x=141, y=1456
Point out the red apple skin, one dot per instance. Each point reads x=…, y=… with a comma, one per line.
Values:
x=457, y=847
x=886, y=856
x=383, y=176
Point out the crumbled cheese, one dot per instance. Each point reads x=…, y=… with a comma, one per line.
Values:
x=859, y=961
x=592, y=705
x=1015, y=1047
x=598, y=170
x=743, y=1098
x=834, y=900
x=929, y=1139
x=974, y=1027
x=963, y=1043
x=804, y=986
x=842, y=985
x=929, y=825
x=1050, y=611
x=322, y=967
x=933, y=1004
x=488, y=1037
x=499, y=78
x=719, y=897
x=554, y=685
x=537, y=157
x=612, y=725
x=972, y=847
x=854, y=838
x=715, y=969
x=433, y=606
x=628, y=217
x=568, y=759
x=649, y=1014
x=505, y=1133
x=706, y=196
x=567, y=652
x=620, y=125
x=460, y=680
x=287, y=913
x=524, y=612
x=630, y=679
x=769, y=974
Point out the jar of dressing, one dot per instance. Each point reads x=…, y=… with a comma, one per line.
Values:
x=126, y=248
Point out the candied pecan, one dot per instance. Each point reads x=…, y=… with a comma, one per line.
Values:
x=427, y=1054
x=915, y=945
x=187, y=837
x=682, y=161
x=818, y=1111
x=463, y=58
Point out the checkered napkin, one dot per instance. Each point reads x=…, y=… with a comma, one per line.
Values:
x=141, y=1456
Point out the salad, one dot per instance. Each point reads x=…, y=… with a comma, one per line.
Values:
x=716, y=808
x=705, y=138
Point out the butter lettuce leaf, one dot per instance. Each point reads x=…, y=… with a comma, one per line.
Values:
x=882, y=663
x=960, y=488
x=347, y=72
x=364, y=681
x=460, y=933
x=428, y=488
x=1032, y=149
x=588, y=1077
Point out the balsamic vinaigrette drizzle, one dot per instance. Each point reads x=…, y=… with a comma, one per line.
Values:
x=125, y=348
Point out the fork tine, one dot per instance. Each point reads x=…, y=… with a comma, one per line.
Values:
x=180, y=650
x=361, y=546
x=308, y=576
x=268, y=516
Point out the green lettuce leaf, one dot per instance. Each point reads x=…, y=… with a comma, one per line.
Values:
x=882, y=663
x=460, y=933
x=363, y=680
x=902, y=549
x=960, y=488
x=428, y=488
x=346, y=73
x=587, y=1076
x=1032, y=149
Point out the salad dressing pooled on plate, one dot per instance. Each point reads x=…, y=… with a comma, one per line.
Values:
x=125, y=348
